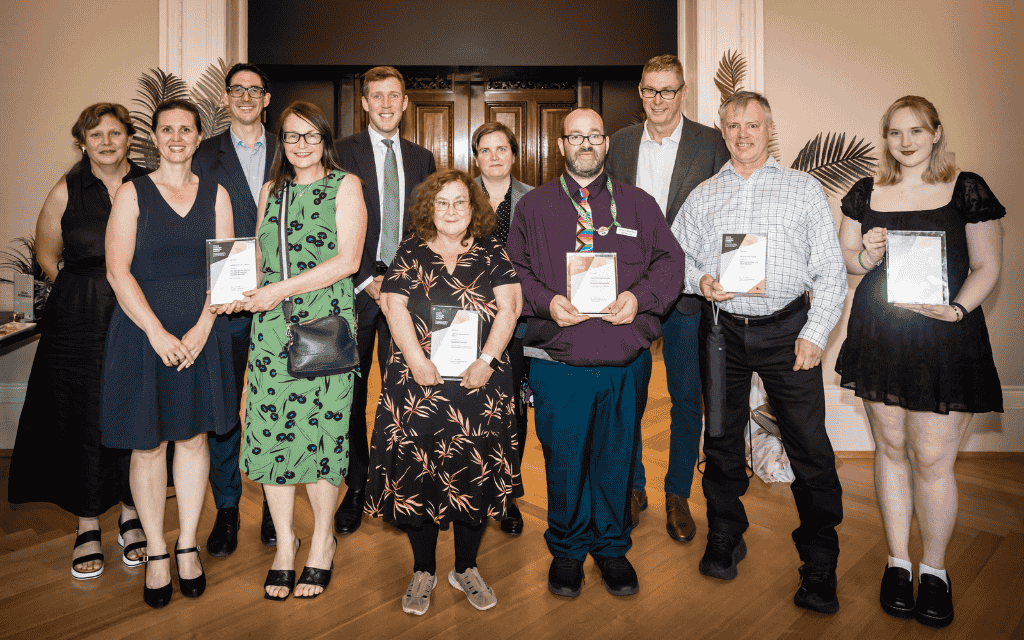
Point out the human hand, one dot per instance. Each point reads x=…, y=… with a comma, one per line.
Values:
x=564, y=313
x=194, y=340
x=172, y=352
x=476, y=374
x=874, y=245
x=373, y=289
x=808, y=355
x=622, y=310
x=265, y=298
x=712, y=289
x=228, y=307
x=944, y=312
x=424, y=372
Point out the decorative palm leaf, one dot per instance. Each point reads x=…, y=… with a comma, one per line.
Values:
x=834, y=163
x=207, y=94
x=773, y=144
x=731, y=70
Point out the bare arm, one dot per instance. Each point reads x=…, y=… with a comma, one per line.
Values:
x=120, y=249
x=509, y=298
x=49, y=242
x=350, y=221
x=404, y=334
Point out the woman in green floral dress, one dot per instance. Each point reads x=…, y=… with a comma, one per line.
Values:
x=296, y=429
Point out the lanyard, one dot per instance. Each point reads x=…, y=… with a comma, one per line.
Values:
x=580, y=211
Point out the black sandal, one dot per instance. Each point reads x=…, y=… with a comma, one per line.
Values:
x=159, y=597
x=125, y=527
x=316, y=577
x=89, y=536
x=281, y=578
x=191, y=587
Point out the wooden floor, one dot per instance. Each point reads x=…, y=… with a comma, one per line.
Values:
x=38, y=598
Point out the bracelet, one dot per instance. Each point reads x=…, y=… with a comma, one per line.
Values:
x=862, y=265
x=963, y=311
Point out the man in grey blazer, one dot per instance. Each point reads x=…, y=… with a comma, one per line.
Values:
x=389, y=173
x=668, y=156
x=495, y=150
x=239, y=160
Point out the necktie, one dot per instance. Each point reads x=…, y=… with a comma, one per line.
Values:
x=585, y=224
x=391, y=226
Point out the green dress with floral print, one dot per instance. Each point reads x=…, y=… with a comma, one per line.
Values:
x=296, y=429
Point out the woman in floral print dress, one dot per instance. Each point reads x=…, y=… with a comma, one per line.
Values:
x=444, y=451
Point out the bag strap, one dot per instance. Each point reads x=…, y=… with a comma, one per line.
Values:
x=282, y=226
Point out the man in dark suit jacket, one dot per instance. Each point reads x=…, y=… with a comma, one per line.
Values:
x=668, y=156
x=240, y=160
x=368, y=154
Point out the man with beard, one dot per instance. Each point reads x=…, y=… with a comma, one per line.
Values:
x=590, y=374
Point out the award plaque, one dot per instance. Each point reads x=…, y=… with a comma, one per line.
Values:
x=454, y=339
x=915, y=267
x=231, y=268
x=742, y=265
x=592, y=281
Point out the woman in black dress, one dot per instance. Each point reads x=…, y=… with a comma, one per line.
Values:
x=59, y=426
x=444, y=451
x=167, y=374
x=922, y=370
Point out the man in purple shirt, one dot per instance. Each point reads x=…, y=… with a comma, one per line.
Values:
x=590, y=374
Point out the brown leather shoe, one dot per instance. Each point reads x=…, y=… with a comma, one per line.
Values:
x=680, y=524
x=637, y=503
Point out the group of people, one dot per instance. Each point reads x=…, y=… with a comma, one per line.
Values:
x=376, y=235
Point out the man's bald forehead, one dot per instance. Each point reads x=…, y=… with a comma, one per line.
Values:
x=575, y=115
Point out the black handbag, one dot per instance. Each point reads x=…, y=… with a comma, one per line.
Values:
x=320, y=346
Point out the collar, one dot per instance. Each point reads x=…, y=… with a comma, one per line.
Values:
x=376, y=138
x=236, y=141
x=89, y=178
x=769, y=165
x=595, y=188
x=676, y=135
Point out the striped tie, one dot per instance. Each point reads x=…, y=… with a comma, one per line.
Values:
x=585, y=224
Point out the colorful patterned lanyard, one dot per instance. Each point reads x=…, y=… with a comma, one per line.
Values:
x=585, y=221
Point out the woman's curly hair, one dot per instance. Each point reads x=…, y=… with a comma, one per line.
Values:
x=482, y=223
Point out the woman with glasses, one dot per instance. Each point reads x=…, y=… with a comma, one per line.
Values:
x=443, y=449
x=296, y=429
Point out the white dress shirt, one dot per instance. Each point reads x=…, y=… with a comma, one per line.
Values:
x=790, y=208
x=655, y=162
x=380, y=151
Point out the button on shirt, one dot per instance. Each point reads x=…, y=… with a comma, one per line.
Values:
x=253, y=161
x=790, y=208
x=655, y=163
x=380, y=152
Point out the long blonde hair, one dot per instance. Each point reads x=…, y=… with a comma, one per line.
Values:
x=940, y=167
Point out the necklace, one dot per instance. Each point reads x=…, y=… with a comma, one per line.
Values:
x=304, y=189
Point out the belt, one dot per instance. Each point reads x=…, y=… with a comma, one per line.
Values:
x=755, y=321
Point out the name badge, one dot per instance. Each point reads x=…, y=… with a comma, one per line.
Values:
x=623, y=231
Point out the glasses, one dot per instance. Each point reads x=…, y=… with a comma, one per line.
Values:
x=311, y=137
x=236, y=91
x=576, y=139
x=666, y=94
x=443, y=205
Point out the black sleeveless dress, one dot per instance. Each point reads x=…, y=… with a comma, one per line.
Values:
x=902, y=358
x=143, y=401
x=58, y=457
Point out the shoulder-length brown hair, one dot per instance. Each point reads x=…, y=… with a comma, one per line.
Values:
x=940, y=168
x=482, y=223
x=282, y=170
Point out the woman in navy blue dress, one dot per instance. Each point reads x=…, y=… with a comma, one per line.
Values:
x=167, y=373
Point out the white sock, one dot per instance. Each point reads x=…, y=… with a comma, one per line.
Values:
x=940, y=573
x=902, y=564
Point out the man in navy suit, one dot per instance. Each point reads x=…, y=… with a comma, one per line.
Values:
x=240, y=160
x=668, y=156
x=389, y=172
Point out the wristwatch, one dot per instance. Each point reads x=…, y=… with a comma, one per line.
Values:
x=490, y=360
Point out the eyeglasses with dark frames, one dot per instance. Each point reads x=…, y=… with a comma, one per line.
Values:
x=311, y=137
x=576, y=139
x=236, y=91
x=666, y=94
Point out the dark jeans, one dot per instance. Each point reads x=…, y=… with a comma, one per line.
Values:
x=679, y=334
x=225, y=477
x=372, y=325
x=798, y=399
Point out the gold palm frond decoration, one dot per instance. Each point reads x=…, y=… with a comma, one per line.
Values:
x=208, y=94
x=834, y=163
x=154, y=87
x=731, y=70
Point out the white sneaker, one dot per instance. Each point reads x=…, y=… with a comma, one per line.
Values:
x=479, y=594
x=417, y=597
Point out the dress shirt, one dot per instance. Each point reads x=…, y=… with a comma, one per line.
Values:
x=252, y=160
x=790, y=208
x=649, y=261
x=380, y=151
x=655, y=162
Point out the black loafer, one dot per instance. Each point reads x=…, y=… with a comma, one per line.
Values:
x=618, y=575
x=268, y=535
x=897, y=594
x=934, y=602
x=223, y=539
x=350, y=513
x=565, y=577
x=817, y=590
x=512, y=523
x=722, y=555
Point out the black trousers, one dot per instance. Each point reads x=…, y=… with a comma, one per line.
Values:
x=520, y=371
x=371, y=326
x=798, y=400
